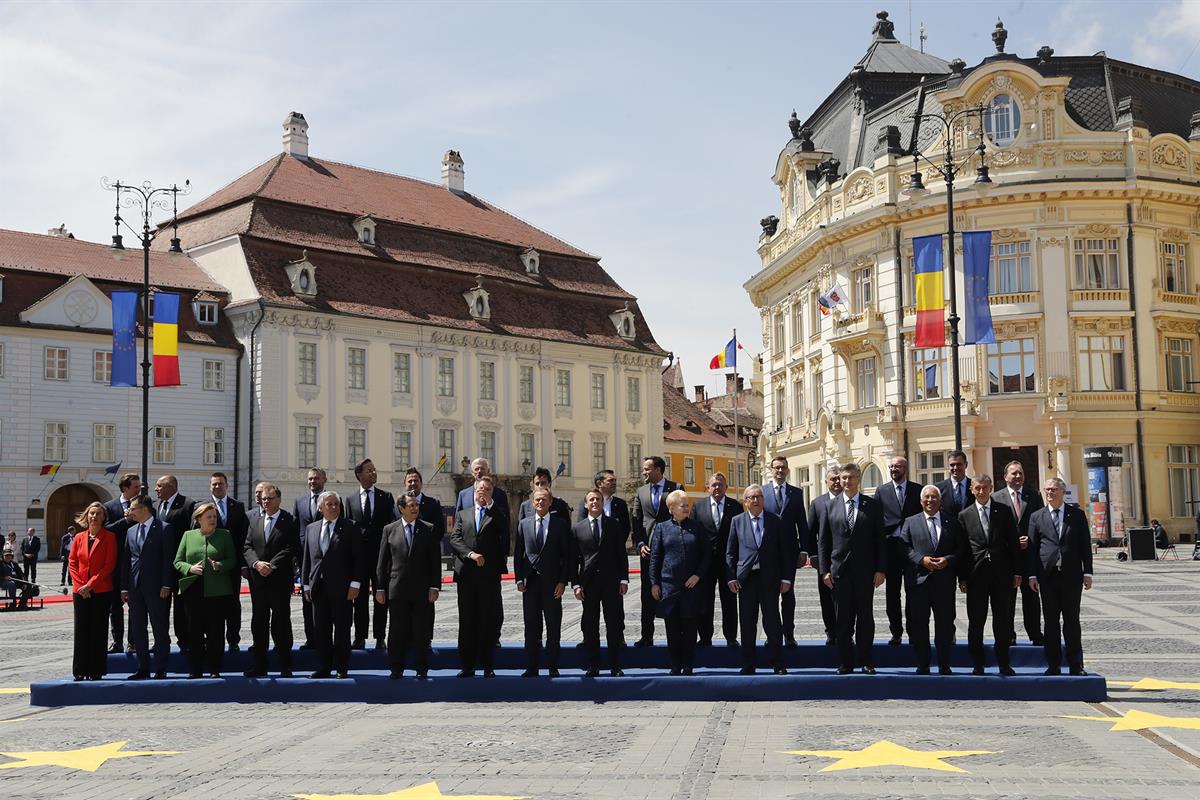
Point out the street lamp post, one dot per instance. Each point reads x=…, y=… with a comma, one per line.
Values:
x=146, y=198
x=949, y=170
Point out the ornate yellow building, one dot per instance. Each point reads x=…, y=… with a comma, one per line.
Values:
x=1093, y=287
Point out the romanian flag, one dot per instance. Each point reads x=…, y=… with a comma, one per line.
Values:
x=166, y=339
x=930, y=290
x=727, y=358
x=50, y=469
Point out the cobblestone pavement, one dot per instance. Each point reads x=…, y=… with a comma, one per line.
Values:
x=1141, y=620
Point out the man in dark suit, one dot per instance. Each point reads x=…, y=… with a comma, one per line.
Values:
x=613, y=507
x=558, y=507
x=900, y=498
x=175, y=510
x=649, y=509
x=956, y=490
x=714, y=516
x=1023, y=502
x=818, y=511
x=600, y=578
x=480, y=545
x=272, y=541
x=306, y=512
x=787, y=502
x=989, y=570
x=932, y=544
x=231, y=515
x=1060, y=569
x=371, y=509
x=430, y=510
x=114, y=511
x=148, y=577
x=853, y=552
x=31, y=551
x=334, y=563
x=410, y=567
x=760, y=564
x=542, y=563
x=466, y=498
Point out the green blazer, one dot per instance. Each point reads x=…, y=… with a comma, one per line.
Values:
x=218, y=546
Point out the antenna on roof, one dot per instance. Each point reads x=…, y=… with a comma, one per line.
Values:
x=923, y=37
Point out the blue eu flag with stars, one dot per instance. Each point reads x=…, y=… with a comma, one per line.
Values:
x=124, y=353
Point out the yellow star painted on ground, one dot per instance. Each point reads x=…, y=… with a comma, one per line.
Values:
x=426, y=791
x=17, y=690
x=1141, y=720
x=1154, y=684
x=88, y=759
x=889, y=754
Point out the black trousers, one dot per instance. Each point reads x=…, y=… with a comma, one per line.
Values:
x=116, y=619
x=895, y=580
x=854, y=593
x=147, y=606
x=538, y=604
x=988, y=588
x=1031, y=612
x=757, y=597
x=332, y=617
x=30, y=569
x=180, y=619
x=828, y=607
x=649, y=604
x=271, y=620
x=367, y=611
x=206, y=628
x=479, y=606
x=233, y=612
x=681, y=638
x=306, y=611
x=711, y=586
x=1061, y=597
x=936, y=597
x=90, y=657
x=787, y=614
x=63, y=579
x=606, y=595
x=412, y=622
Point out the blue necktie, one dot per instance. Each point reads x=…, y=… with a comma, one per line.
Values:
x=757, y=532
x=654, y=497
x=408, y=534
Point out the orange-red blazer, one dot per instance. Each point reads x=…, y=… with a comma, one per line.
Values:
x=93, y=566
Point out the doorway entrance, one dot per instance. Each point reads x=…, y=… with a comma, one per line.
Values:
x=1027, y=455
x=62, y=508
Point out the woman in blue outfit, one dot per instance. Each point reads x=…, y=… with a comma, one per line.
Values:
x=679, y=555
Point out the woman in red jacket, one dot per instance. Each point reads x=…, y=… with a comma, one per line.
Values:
x=93, y=556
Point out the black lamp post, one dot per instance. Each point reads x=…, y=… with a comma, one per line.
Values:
x=146, y=198
x=949, y=170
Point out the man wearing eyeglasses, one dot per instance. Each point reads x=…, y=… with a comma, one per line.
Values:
x=1060, y=545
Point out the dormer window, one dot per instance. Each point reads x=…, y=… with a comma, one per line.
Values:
x=205, y=312
x=532, y=260
x=478, y=299
x=302, y=276
x=1002, y=120
x=625, y=323
x=364, y=228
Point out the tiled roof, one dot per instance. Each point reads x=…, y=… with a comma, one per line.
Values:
x=1168, y=101
x=678, y=411
x=364, y=286
x=356, y=191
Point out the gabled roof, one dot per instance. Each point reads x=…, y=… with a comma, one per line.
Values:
x=684, y=421
x=352, y=190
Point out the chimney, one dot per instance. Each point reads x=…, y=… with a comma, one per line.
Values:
x=453, y=177
x=729, y=384
x=699, y=393
x=60, y=232
x=741, y=383
x=295, y=135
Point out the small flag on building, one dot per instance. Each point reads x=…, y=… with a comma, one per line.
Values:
x=50, y=469
x=562, y=467
x=727, y=358
x=124, y=352
x=113, y=470
x=930, y=290
x=977, y=251
x=166, y=339
x=831, y=299
x=441, y=464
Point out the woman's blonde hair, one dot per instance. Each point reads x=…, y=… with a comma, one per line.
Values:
x=676, y=497
x=201, y=509
x=82, y=519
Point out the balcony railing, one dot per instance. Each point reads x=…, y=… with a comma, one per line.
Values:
x=1100, y=295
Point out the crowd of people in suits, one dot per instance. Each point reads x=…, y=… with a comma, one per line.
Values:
x=369, y=564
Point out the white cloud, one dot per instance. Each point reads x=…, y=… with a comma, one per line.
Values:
x=1171, y=37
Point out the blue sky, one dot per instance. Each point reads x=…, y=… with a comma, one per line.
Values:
x=643, y=132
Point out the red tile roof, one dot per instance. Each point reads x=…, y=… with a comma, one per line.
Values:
x=356, y=191
x=678, y=411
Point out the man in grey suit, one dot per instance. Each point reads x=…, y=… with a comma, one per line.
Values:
x=714, y=516
x=990, y=569
x=1060, y=569
x=480, y=545
x=272, y=542
x=1023, y=502
x=649, y=509
x=760, y=565
x=334, y=563
x=148, y=577
x=410, y=567
x=114, y=511
x=370, y=508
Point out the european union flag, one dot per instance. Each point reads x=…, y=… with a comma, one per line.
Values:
x=124, y=353
x=977, y=247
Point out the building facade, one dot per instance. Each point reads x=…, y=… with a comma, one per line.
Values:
x=56, y=405
x=698, y=442
x=1095, y=166
x=416, y=324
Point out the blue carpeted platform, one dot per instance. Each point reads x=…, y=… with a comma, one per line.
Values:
x=810, y=677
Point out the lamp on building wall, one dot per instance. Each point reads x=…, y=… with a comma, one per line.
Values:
x=466, y=465
x=950, y=169
x=525, y=465
x=146, y=198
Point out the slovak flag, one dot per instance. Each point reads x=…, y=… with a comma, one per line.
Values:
x=727, y=358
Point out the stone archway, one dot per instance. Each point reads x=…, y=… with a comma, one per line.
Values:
x=62, y=507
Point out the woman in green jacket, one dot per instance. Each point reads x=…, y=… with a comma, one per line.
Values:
x=206, y=563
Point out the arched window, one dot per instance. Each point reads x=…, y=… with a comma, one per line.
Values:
x=871, y=477
x=1002, y=120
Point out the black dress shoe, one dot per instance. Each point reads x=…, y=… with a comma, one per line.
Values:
x=704, y=643
x=396, y=674
x=306, y=646
x=790, y=641
x=214, y=674
x=780, y=671
x=868, y=670
x=380, y=644
x=675, y=671
x=830, y=641
x=617, y=672
x=194, y=675
x=731, y=642
x=1078, y=672
x=581, y=644
x=489, y=673
x=1038, y=642
x=116, y=648
x=686, y=671
x=1009, y=671
x=285, y=673
x=320, y=675
x=140, y=675
x=978, y=671
x=343, y=674
x=254, y=673
x=359, y=644
x=894, y=641
x=529, y=673
x=844, y=670
x=422, y=675
x=746, y=671
x=945, y=671
x=592, y=673
x=466, y=673
x=160, y=676
x=129, y=650
x=234, y=648
x=644, y=643
x=1052, y=671
x=922, y=670
x=553, y=672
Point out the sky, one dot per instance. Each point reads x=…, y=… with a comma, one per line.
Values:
x=642, y=132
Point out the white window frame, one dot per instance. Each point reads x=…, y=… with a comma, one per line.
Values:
x=563, y=451
x=599, y=391
x=1173, y=268
x=445, y=376
x=1011, y=265
x=1088, y=254
x=57, y=363
x=562, y=388
x=525, y=384
x=1100, y=363
x=401, y=450
x=1183, y=470
x=401, y=373
x=866, y=382
x=924, y=358
x=306, y=366
x=55, y=441
x=1026, y=354
x=1179, y=354
x=214, y=447
x=104, y=442
x=487, y=447
x=356, y=368
x=306, y=451
x=102, y=366
x=164, y=444
x=214, y=375
x=356, y=445
x=633, y=394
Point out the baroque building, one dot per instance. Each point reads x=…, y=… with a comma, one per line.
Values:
x=1095, y=166
x=415, y=323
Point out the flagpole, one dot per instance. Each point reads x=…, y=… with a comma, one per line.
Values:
x=736, y=444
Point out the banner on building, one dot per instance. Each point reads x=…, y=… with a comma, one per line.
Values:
x=930, y=291
x=977, y=251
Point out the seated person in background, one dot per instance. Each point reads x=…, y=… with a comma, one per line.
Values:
x=11, y=576
x=1161, y=541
